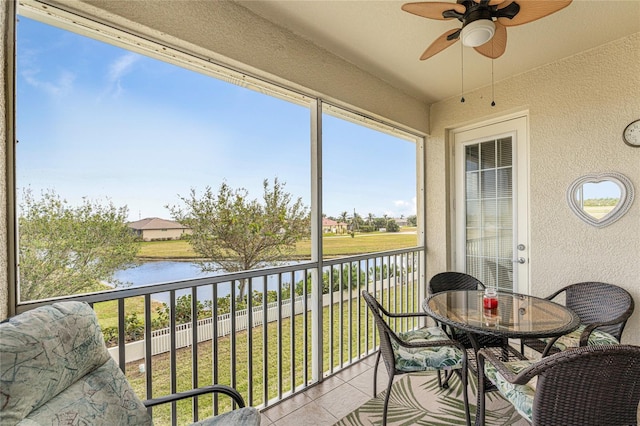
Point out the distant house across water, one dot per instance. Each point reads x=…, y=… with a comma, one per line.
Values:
x=401, y=221
x=156, y=229
x=330, y=226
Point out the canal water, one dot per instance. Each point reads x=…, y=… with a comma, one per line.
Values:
x=156, y=272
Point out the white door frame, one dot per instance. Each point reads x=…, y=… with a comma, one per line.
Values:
x=517, y=126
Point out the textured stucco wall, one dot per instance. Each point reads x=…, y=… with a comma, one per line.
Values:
x=577, y=109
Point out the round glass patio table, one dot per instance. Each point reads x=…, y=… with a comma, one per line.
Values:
x=516, y=316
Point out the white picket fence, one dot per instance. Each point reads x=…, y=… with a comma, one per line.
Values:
x=161, y=339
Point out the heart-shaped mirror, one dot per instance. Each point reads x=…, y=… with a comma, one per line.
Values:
x=600, y=199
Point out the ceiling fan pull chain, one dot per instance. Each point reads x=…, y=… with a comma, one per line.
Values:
x=462, y=72
x=493, y=95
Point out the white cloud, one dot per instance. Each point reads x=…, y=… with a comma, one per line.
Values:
x=122, y=66
x=118, y=69
x=61, y=86
x=402, y=208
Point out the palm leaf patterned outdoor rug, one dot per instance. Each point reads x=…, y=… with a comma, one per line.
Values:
x=416, y=399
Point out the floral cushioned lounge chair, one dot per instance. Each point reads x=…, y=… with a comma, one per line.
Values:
x=55, y=369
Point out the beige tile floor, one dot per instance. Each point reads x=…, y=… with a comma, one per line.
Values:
x=327, y=402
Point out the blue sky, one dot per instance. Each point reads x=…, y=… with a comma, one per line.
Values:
x=100, y=122
x=603, y=189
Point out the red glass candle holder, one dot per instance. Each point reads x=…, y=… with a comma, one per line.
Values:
x=490, y=299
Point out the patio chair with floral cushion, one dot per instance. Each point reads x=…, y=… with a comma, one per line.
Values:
x=586, y=386
x=603, y=310
x=424, y=349
x=55, y=369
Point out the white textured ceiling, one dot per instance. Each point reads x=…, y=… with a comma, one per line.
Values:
x=377, y=36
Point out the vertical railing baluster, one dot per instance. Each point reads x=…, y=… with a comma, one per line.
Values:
x=292, y=339
x=214, y=345
x=194, y=349
x=265, y=343
x=359, y=319
x=396, y=291
x=410, y=298
x=415, y=296
x=399, y=289
x=411, y=277
x=122, y=334
x=172, y=354
x=404, y=307
x=341, y=316
x=367, y=278
x=147, y=349
x=388, y=280
x=349, y=315
x=305, y=328
x=250, y=342
x=407, y=292
x=420, y=292
x=232, y=334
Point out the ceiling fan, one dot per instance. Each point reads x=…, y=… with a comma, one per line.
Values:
x=484, y=22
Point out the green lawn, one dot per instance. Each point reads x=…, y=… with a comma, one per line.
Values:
x=334, y=245
x=291, y=337
x=107, y=312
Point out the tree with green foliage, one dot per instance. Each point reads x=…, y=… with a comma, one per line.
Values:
x=67, y=250
x=182, y=311
x=392, y=226
x=235, y=233
x=352, y=278
x=412, y=220
x=344, y=217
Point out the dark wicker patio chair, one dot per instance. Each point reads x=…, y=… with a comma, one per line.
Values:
x=587, y=386
x=422, y=349
x=603, y=310
x=445, y=281
x=448, y=281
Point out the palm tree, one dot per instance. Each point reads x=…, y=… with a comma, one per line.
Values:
x=370, y=218
x=355, y=221
x=343, y=217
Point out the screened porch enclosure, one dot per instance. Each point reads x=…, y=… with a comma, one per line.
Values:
x=131, y=122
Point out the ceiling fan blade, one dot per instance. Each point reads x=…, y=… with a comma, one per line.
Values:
x=433, y=10
x=491, y=2
x=531, y=10
x=440, y=44
x=495, y=47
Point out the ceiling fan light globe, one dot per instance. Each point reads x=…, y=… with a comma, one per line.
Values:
x=478, y=32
